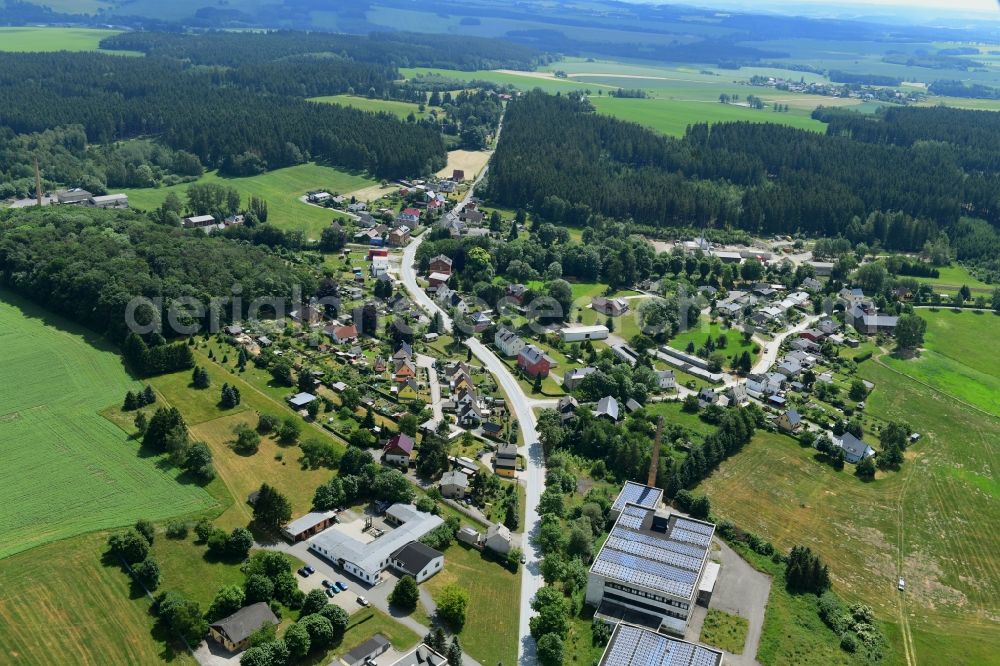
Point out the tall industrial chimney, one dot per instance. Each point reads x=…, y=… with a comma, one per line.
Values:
x=654, y=462
x=38, y=182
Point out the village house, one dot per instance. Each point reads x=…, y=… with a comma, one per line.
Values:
x=438, y=279
x=854, y=449
x=533, y=361
x=607, y=408
x=498, y=539
x=572, y=379
x=409, y=217
x=790, y=421
x=399, y=236
x=516, y=292
x=408, y=390
x=508, y=342
x=440, y=264
x=666, y=379
x=342, y=334
x=567, y=407
x=454, y=484
x=398, y=450
x=480, y=322
x=418, y=560
x=865, y=319
x=612, y=307
x=234, y=632
x=505, y=460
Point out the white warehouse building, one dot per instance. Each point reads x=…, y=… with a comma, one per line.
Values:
x=581, y=333
x=367, y=560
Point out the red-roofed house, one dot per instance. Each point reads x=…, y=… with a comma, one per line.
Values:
x=440, y=264
x=533, y=361
x=398, y=450
x=409, y=216
x=343, y=334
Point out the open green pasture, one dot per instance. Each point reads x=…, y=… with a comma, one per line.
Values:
x=395, y=107
x=934, y=522
x=959, y=357
x=281, y=188
x=66, y=469
x=36, y=39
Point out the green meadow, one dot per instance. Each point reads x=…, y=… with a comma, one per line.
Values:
x=281, y=189
x=67, y=470
x=52, y=39
x=934, y=522
x=399, y=109
x=959, y=357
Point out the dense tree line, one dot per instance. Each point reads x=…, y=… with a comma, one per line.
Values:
x=839, y=76
x=64, y=157
x=222, y=118
x=88, y=264
x=954, y=88
x=898, y=178
x=398, y=49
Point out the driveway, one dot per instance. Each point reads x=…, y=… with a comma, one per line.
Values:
x=772, y=347
x=428, y=363
x=740, y=590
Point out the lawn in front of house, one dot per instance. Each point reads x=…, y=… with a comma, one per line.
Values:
x=490, y=632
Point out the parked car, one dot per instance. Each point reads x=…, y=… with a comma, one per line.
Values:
x=309, y=570
x=902, y=585
x=302, y=572
x=363, y=602
x=327, y=584
x=341, y=585
x=330, y=591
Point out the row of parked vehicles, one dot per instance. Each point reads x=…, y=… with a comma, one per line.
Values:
x=331, y=588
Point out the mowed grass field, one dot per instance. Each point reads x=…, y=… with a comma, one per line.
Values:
x=935, y=522
x=673, y=117
x=952, y=278
x=242, y=474
x=958, y=357
x=66, y=469
x=52, y=39
x=396, y=108
x=281, y=189
x=60, y=605
x=490, y=632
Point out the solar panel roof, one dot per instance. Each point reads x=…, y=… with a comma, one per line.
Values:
x=668, y=561
x=635, y=646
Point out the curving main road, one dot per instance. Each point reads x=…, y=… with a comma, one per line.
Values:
x=523, y=409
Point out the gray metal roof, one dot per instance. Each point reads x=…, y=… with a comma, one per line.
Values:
x=244, y=622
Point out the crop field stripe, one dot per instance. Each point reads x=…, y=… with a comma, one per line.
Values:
x=66, y=469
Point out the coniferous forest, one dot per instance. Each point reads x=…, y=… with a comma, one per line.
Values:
x=899, y=178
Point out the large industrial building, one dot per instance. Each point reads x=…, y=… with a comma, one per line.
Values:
x=366, y=553
x=649, y=571
x=634, y=646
